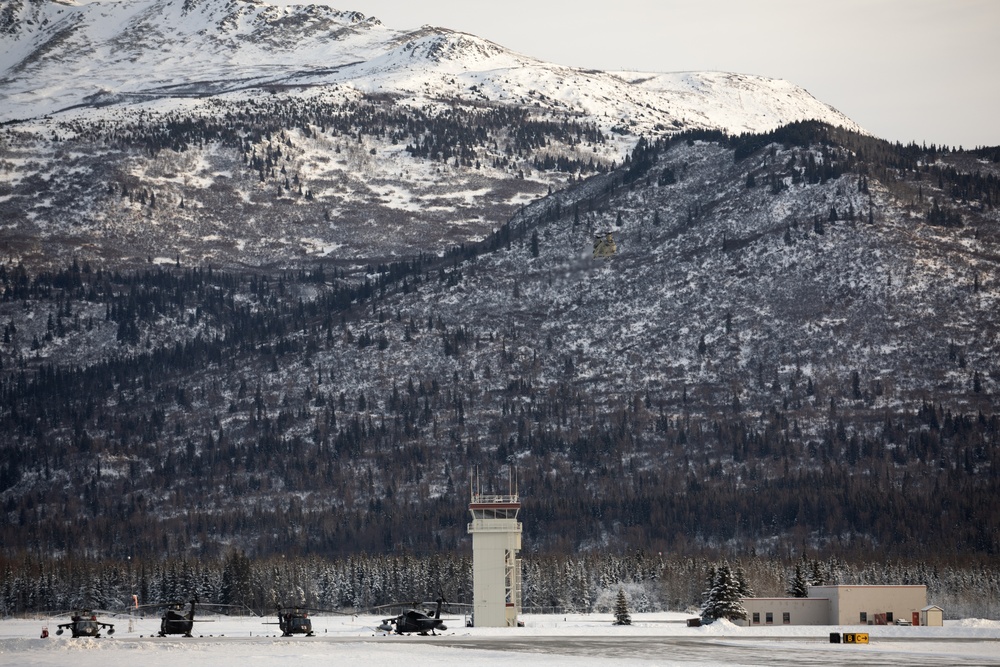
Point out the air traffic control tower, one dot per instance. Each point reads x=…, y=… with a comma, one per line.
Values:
x=496, y=568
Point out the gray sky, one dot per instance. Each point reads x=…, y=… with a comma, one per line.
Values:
x=906, y=70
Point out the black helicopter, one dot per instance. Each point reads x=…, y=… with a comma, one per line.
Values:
x=412, y=620
x=294, y=621
x=175, y=622
x=85, y=624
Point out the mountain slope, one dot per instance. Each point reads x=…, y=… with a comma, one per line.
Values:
x=787, y=330
x=61, y=55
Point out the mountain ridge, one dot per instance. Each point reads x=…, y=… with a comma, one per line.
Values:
x=246, y=27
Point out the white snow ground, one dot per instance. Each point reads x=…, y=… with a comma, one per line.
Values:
x=659, y=638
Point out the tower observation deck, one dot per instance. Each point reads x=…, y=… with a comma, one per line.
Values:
x=496, y=567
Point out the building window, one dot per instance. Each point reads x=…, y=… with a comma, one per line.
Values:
x=888, y=617
x=768, y=618
x=786, y=617
x=756, y=618
x=864, y=617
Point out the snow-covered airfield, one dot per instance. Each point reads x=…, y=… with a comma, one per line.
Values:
x=656, y=638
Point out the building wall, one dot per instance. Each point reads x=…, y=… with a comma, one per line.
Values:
x=848, y=603
x=841, y=605
x=489, y=569
x=801, y=611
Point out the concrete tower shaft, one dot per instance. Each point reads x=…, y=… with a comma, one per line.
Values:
x=496, y=567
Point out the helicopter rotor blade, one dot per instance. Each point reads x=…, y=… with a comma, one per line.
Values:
x=316, y=610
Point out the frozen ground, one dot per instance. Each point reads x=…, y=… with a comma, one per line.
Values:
x=661, y=638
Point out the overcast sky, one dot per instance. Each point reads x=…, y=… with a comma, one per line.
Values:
x=906, y=70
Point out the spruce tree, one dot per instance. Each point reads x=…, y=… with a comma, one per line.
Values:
x=622, y=616
x=723, y=599
x=815, y=574
x=742, y=585
x=798, y=588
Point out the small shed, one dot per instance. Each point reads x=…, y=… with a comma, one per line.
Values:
x=932, y=615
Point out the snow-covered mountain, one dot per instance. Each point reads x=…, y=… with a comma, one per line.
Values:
x=59, y=54
x=388, y=143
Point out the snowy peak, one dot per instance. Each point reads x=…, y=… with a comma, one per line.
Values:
x=129, y=21
x=439, y=45
x=252, y=19
x=61, y=55
x=740, y=102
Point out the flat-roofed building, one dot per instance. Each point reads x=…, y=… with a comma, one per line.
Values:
x=871, y=605
x=845, y=605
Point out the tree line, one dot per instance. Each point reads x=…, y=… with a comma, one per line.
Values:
x=551, y=583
